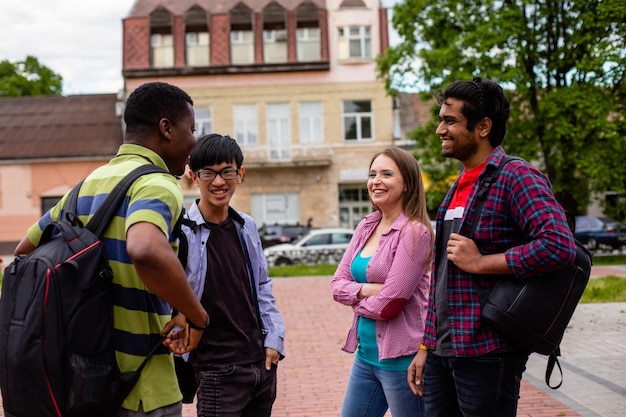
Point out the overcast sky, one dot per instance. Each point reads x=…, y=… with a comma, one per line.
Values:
x=79, y=39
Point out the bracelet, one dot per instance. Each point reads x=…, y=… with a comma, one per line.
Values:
x=423, y=347
x=195, y=326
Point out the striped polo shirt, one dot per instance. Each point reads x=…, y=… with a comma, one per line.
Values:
x=138, y=314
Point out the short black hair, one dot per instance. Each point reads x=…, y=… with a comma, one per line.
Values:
x=482, y=98
x=215, y=149
x=151, y=102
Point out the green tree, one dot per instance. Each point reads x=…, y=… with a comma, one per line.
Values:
x=28, y=78
x=563, y=63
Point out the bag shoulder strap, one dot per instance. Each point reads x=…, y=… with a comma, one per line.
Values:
x=103, y=216
x=481, y=195
x=183, y=243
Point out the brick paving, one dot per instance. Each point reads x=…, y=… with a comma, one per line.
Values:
x=313, y=375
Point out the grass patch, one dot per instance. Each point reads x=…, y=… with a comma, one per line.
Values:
x=302, y=270
x=610, y=289
x=609, y=260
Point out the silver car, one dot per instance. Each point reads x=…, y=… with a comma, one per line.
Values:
x=318, y=246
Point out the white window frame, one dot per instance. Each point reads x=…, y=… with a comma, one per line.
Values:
x=308, y=44
x=162, y=50
x=204, y=120
x=359, y=36
x=242, y=46
x=360, y=118
x=352, y=210
x=311, y=120
x=275, y=45
x=246, y=127
x=355, y=43
x=278, y=131
x=271, y=208
x=198, y=48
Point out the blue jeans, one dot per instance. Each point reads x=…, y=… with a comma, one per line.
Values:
x=371, y=391
x=482, y=386
x=236, y=390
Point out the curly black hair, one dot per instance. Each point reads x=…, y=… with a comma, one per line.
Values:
x=151, y=102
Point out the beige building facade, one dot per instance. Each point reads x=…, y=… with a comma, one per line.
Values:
x=303, y=100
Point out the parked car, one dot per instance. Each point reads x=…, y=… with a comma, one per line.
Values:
x=600, y=233
x=274, y=234
x=318, y=246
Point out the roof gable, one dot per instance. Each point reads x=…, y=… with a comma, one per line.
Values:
x=143, y=8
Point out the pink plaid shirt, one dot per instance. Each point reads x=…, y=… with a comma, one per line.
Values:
x=402, y=264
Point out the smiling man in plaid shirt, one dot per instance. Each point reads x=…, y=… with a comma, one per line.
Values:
x=465, y=368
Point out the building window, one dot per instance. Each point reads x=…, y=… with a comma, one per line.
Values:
x=275, y=45
x=308, y=40
x=274, y=33
x=241, y=35
x=278, y=131
x=162, y=50
x=354, y=205
x=198, y=49
x=197, y=40
x=161, y=39
x=48, y=202
x=242, y=47
x=357, y=120
x=204, y=123
x=355, y=42
x=246, y=126
x=281, y=208
x=311, y=122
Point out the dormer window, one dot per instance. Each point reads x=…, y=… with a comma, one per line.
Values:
x=274, y=34
x=161, y=39
x=308, y=40
x=241, y=36
x=197, y=40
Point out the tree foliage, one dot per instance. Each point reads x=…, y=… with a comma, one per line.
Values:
x=562, y=63
x=28, y=78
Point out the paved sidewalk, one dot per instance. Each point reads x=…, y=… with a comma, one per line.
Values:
x=313, y=375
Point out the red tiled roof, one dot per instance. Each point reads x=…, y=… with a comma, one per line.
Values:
x=59, y=127
x=143, y=8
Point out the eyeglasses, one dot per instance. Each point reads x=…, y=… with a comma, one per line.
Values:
x=209, y=174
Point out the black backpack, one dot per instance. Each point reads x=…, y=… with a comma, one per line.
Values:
x=56, y=320
x=534, y=313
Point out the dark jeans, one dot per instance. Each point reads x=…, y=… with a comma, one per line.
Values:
x=236, y=390
x=483, y=386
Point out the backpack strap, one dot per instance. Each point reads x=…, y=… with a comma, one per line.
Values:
x=183, y=244
x=72, y=200
x=481, y=195
x=103, y=216
x=481, y=198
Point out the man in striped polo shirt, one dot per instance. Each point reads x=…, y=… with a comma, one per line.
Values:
x=140, y=244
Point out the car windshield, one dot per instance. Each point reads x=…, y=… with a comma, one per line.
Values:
x=298, y=239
